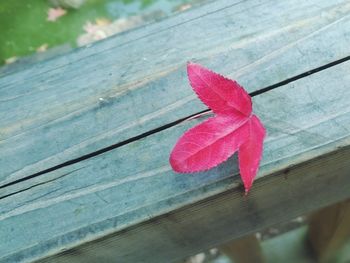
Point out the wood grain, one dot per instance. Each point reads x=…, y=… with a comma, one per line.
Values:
x=224, y=216
x=75, y=104
x=123, y=196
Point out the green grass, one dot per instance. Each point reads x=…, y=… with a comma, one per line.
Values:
x=23, y=25
x=24, y=28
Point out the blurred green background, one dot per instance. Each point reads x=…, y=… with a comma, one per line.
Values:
x=24, y=26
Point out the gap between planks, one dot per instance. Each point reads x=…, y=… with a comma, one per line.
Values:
x=165, y=126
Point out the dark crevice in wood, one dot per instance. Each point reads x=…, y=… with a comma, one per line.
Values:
x=167, y=126
x=300, y=76
x=45, y=182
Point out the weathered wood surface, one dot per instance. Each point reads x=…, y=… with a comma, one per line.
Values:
x=134, y=183
x=76, y=104
x=129, y=197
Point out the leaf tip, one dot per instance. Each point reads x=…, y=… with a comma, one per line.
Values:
x=173, y=164
x=191, y=66
x=176, y=165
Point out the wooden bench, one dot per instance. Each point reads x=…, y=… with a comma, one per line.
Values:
x=85, y=137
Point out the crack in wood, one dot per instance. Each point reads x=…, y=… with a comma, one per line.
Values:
x=166, y=126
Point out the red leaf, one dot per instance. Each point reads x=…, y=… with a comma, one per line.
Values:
x=216, y=139
x=249, y=154
x=220, y=94
x=209, y=143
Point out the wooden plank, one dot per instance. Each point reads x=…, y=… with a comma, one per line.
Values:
x=329, y=229
x=308, y=126
x=25, y=62
x=180, y=233
x=76, y=104
x=244, y=250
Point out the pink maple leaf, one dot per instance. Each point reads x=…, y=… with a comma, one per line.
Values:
x=233, y=128
x=54, y=13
